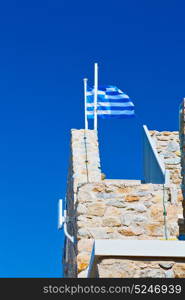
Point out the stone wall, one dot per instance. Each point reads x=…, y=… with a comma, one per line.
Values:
x=168, y=148
x=84, y=167
x=110, y=209
x=123, y=211
x=138, y=268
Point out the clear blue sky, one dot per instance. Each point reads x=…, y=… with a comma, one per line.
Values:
x=46, y=48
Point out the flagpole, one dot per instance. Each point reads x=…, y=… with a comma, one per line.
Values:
x=85, y=102
x=95, y=94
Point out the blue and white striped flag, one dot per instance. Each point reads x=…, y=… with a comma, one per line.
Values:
x=111, y=103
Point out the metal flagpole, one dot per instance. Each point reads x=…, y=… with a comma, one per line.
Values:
x=85, y=102
x=95, y=94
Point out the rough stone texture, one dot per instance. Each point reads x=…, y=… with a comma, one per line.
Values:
x=120, y=209
x=168, y=148
x=102, y=217
x=130, y=219
x=135, y=268
x=84, y=167
x=83, y=260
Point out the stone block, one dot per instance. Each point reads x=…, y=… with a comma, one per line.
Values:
x=85, y=245
x=83, y=274
x=166, y=265
x=140, y=219
x=155, y=229
x=153, y=273
x=126, y=219
x=123, y=190
x=166, y=133
x=172, y=212
x=172, y=161
x=172, y=146
x=138, y=207
x=157, y=213
x=180, y=196
x=116, y=203
x=99, y=233
x=83, y=232
x=81, y=209
x=117, y=209
x=131, y=231
x=132, y=198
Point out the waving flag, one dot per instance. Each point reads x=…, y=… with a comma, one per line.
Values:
x=111, y=103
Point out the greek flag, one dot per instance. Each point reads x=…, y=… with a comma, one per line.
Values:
x=111, y=103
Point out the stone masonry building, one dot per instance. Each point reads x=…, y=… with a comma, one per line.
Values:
x=128, y=215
